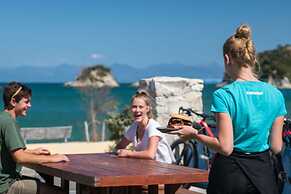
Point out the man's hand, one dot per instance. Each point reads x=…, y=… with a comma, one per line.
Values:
x=26, y=156
x=59, y=158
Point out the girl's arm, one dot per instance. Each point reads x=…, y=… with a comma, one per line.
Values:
x=149, y=153
x=223, y=144
x=122, y=144
x=276, y=135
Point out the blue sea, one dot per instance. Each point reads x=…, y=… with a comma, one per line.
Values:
x=57, y=105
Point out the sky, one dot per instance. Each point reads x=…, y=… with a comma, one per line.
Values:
x=138, y=33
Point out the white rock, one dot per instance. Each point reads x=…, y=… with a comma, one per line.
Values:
x=170, y=93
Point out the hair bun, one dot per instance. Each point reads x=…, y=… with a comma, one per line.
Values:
x=143, y=92
x=243, y=31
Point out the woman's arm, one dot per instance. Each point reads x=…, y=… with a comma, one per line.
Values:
x=276, y=135
x=223, y=144
x=127, y=137
x=149, y=153
x=122, y=144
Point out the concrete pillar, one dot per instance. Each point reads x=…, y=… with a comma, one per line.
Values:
x=170, y=93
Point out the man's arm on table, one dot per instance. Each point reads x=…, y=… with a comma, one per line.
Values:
x=38, y=151
x=22, y=156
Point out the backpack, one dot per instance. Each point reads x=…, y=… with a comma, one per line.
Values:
x=280, y=174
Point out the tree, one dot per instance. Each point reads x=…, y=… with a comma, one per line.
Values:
x=95, y=83
x=117, y=123
x=98, y=104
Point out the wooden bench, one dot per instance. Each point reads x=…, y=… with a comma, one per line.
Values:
x=46, y=133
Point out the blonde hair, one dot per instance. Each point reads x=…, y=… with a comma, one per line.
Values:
x=242, y=49
x=146, y=98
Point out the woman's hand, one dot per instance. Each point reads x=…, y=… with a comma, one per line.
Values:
x=185, y=131
x=123, y=152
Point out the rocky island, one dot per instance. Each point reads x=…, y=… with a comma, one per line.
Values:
x=94, y=76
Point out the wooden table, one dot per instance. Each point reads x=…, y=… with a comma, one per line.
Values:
x=99, y=173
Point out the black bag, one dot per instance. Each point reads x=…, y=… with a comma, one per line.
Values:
x=281, y=176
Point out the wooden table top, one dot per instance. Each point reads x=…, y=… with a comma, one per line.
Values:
x=105, y=170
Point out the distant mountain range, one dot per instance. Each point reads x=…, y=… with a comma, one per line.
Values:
x=53, y=74
x=123, y=73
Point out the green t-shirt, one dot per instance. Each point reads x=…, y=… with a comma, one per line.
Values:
x=252, y=106
x=10, y=139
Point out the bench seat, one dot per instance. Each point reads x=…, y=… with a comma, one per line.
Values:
x=46, y=133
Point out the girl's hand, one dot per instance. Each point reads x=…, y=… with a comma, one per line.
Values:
x=185, y=131
x=123, y=153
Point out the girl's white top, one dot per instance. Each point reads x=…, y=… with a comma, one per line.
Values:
x=164, y=151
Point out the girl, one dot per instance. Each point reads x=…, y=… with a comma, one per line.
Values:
x=249, y=115
x=148, y=142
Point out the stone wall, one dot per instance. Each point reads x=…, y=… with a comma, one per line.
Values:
x=170, y=93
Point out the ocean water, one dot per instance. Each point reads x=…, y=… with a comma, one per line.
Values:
x=56, y=105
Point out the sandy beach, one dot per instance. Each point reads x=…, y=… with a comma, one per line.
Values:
x=75, y=147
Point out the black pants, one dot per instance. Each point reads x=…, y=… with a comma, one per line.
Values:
x=242, y=174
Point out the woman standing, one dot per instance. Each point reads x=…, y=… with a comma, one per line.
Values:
x=148, y=142
x=249, y=115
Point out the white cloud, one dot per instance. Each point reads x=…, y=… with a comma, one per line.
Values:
x=97, y=56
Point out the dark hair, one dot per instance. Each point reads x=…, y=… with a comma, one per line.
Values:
x=15, y=90
x=147, y=99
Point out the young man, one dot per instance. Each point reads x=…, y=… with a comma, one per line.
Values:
x=16, y=98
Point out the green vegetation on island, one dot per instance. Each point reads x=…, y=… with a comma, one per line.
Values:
x=86, y=73
x=276, y=65
x=97, y=76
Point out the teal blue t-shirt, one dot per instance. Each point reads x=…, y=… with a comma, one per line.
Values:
x=252, y=106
